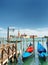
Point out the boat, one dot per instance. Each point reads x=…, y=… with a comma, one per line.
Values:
x=40, y=48
x=28, y=52
x=43, y=54
x=26, y=55
x=41, y=51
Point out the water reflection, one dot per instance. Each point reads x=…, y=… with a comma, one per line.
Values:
x=33, y=60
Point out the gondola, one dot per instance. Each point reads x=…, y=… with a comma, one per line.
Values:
x=41, y=51
x=26, y=55
x=40, y=48
x=28, y=52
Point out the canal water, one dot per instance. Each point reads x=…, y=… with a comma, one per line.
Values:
x=33, y=60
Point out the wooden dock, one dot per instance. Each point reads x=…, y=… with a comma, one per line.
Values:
x=8, y=51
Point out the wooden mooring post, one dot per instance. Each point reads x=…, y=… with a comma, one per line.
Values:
x=1, y=60
x=47, y=44
x=16, y=48
x=43, y=40
x=34, y=44
x=7, y=51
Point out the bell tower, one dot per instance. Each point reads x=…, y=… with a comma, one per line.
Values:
x=18, y=33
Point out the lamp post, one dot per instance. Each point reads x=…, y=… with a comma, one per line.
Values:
x=8, y=32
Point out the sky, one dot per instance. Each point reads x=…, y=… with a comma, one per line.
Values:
x=24, y=14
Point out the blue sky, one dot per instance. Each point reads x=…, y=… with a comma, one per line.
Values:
x=24, y=13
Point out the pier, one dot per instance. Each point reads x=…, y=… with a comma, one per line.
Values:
x=8, y=51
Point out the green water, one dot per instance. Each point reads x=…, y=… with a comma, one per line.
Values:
x=32, y=61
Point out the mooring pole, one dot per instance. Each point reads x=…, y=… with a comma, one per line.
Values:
x=21, y=48
x=42, y=41
x=13, y=53
x=47, y=44
x=2, y=57
x=8, y=34
x=34, y=44
x=16, y=50
x=26, y=43
x=8, y=53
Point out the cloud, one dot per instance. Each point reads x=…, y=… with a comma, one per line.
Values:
x=3, y=32
x=1, y=29
x=28, y=31
x=42, y=31
x=39, y=32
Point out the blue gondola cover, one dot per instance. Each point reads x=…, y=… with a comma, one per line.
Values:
x=26, y=54
x=40, y=48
